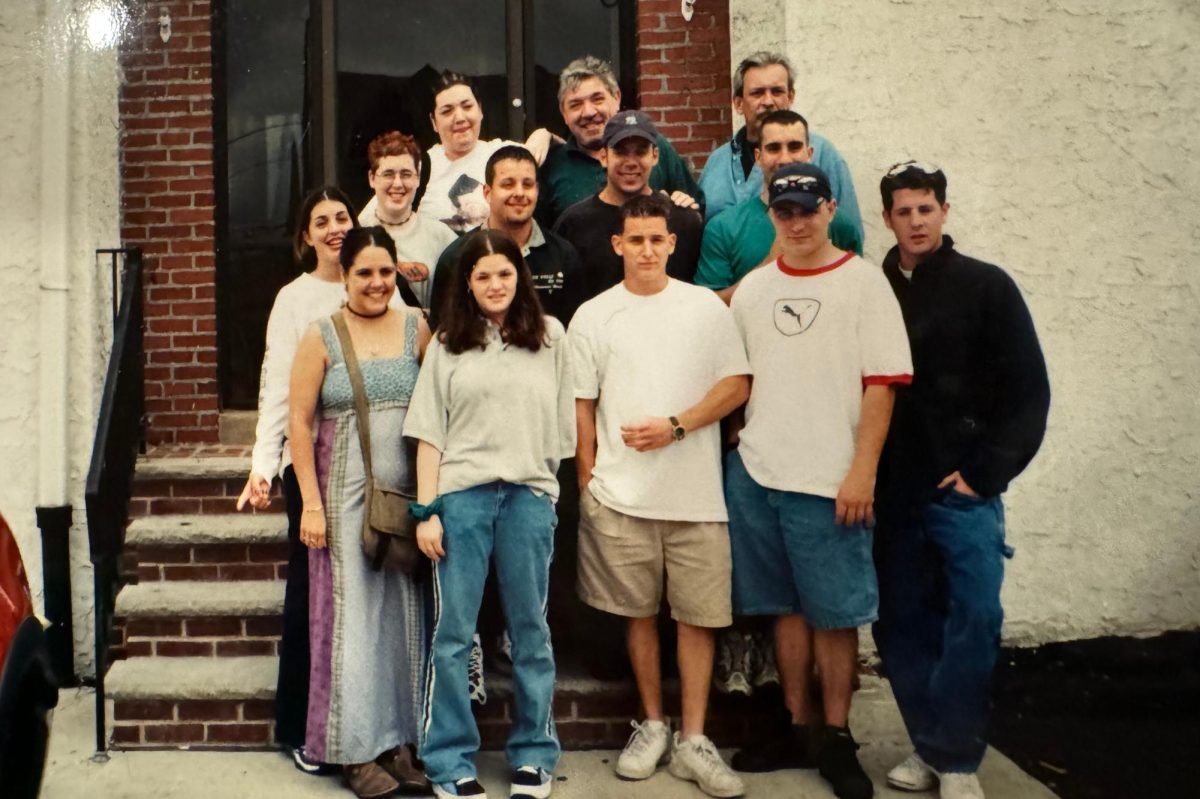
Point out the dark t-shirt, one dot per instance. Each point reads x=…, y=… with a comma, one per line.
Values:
x=590, y=225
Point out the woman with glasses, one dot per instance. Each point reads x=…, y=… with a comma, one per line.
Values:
x=395, y=174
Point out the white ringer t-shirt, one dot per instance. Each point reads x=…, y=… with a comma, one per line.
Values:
x=815, y=339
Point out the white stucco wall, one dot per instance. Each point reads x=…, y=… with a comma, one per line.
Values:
x=28, y=37
x=1067, y=132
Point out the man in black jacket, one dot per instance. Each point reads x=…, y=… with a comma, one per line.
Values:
x=511, y=190
x=972, y=419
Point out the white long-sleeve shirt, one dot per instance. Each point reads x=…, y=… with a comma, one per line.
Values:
x=297, y=305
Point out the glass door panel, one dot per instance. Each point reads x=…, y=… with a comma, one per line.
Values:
x=388, y=56
x=262, y=149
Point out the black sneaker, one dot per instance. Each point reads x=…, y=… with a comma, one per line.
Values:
x=303, y=762
x=838, y=764
x=783, y=748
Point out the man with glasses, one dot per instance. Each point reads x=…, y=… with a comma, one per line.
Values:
x=764, y=82
x=588, y=96
x=826, y=345
x=743, y=237
x=971, y=421
x=394, y=175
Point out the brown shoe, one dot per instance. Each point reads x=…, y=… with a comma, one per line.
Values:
x=402, y=763
x=368, y=780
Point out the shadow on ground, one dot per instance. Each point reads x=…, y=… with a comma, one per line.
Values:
x=1110, y=718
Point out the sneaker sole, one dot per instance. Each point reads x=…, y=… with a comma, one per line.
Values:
x=680, y=771
x=633, y=776
x=912, y=787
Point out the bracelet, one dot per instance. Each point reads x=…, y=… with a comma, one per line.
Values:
x=317, y=509
x=423, y=513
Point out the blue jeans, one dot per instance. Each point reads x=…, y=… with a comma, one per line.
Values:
x=514, y=526
x=938, y=633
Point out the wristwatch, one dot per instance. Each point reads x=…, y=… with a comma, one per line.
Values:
x=677, y=431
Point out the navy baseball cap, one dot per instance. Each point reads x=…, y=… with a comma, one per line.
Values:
x=627, y=124
x=802, y=184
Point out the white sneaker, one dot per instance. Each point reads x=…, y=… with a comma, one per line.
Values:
x=960, y=786
x=914, y=774
x=647, y=749
x=696, y=759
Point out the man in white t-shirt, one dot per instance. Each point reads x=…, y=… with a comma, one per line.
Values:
x=826, y=344
x=395, y=172
x=657, y=363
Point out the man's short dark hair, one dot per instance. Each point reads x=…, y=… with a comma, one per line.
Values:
x=912, y=175
x=509, y=152
x=647, y=206
x=784, y=116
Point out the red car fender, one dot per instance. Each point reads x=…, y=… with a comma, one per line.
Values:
x=15, y=600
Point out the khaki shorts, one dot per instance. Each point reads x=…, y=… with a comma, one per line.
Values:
x=622, y=559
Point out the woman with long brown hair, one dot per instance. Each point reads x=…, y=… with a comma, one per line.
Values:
x=493, y=413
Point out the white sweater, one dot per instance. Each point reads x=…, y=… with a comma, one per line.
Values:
x=297, y=305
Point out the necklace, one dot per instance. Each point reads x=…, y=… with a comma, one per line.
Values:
x=373, y=347
x=360, y=315
x=386, y=223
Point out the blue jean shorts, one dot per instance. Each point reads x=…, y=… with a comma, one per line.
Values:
x=790, y=557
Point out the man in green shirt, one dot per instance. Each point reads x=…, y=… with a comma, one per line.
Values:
x=742, y=237
x=588, y=96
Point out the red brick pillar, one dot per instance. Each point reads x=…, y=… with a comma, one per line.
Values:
x=683, y=74
x=167, y=210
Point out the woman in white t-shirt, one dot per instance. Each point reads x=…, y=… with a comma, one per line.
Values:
x=454, y=187
x=394, y=174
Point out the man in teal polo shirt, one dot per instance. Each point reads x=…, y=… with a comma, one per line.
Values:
x=588, y=96
x=741, y=238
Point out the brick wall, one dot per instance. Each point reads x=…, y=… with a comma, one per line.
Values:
x=683, y=74
x=167, y=210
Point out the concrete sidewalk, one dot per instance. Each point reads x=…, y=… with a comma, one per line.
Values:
x=71, y=774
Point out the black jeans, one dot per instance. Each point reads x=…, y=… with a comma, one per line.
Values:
x=291, y=692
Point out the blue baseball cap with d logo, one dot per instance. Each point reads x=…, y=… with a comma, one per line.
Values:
x=799, y=184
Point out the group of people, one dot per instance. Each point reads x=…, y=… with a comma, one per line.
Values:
x=757, y=422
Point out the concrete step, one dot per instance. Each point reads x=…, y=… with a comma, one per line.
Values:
x=190, y=484
x=181, y=619
x=194, y=703
x=181, y=598
x=246, y=546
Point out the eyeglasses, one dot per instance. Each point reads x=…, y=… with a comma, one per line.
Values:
x=904, y=166
x=390, y=175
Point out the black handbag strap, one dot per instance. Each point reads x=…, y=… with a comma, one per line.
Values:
x=364, y=424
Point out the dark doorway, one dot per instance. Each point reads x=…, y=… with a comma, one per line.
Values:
x=301, y=87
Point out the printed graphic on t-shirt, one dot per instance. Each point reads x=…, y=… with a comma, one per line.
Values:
x=793, y=317
x=471, y=209
x=549, y=282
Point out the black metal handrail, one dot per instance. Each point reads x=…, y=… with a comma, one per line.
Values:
x=120, y=437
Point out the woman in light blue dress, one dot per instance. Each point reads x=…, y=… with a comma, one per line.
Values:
x=367, y=628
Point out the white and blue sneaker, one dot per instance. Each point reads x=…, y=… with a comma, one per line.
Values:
x=531, y=782
x=465, y=786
